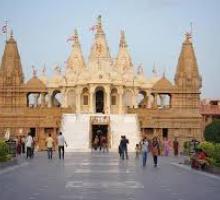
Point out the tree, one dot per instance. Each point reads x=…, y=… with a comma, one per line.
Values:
x=212, y=131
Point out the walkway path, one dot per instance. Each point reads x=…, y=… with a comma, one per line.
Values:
x=101, y=176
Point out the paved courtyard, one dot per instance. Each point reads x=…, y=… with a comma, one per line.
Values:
x=101, y=176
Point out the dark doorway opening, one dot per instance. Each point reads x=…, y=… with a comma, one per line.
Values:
x=33, y=132
x=165, y=132
x=99, y=101
x=98, y=133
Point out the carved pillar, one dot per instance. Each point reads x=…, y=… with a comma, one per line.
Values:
x=120, y=100
x=63, y=100
x=42, y=98
x=78, y=100
x=36, y=97
x=134, y=100
x=149, y=99
x=91, y=99
x=155, y=100
x=162, y=100
x=50, y=99
x=108, y=102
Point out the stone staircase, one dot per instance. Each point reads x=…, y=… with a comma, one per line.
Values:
x=76, y=129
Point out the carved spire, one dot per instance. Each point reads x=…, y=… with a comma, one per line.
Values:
x=123, y=43
x=187, y=74
x=75, y=60
x=99, y=53
x=11, y=70
x=123, y=60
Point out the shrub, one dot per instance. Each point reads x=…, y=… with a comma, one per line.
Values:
x=212, y=132
x=216, y=154
x=4, y=156
x=208, y=147
x=186, y=147
x=213, y=151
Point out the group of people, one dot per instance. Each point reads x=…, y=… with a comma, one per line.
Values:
x=100, y=143
x=50, y=144
x=25, y=145
x=28, y=145
x=154, y=146
x=20, y=144
x=145, y=146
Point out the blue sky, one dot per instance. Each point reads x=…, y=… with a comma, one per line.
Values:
x=154, y=31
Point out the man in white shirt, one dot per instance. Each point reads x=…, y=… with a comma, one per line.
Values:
x=61, y=141
x=29, y=142
x=145, y=150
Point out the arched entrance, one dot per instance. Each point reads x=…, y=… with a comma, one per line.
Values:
x=99, y=101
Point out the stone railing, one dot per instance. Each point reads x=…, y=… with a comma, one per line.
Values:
x=210, y=109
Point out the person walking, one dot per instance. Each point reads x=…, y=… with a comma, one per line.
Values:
x=50, y=145
x=104, y=144
x=155, y=149
x=120, y=149
x=29, y=142
x=176, y=147
x=145, y=150
x=61, y=141
x=124, y=148
x=166, y=147
x=137, y=151
x=33, y=147
x=23, y=144
x=96, y=142
x=18, y=147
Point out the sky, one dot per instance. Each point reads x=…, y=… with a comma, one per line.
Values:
x=154, y=31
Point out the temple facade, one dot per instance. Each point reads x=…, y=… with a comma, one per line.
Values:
x=108, y=92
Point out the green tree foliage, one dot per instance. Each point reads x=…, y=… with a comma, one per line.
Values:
x=3, y=151
x=212, y=132
x=213, y=152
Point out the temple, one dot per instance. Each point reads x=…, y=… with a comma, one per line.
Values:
x=102, y=94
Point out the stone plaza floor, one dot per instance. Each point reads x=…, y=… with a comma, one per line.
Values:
x=103, y=176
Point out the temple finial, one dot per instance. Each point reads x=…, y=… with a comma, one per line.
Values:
x=76, y=37
x=164, y=72
x=11, y=34
x=99, y=24
x=188, y=37
x=34, y=71
x=99, y=19
x=140, y=70
x=123, y=42
x=154, y=70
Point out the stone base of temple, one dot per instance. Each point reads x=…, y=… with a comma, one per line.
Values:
x=80, y=130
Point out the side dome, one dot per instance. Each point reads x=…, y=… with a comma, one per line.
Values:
x=35, y=85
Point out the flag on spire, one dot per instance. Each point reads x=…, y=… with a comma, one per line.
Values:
x=71, y=38
x=93, y=28
x=4, y=28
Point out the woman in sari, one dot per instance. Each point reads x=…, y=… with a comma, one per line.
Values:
x=155, y=150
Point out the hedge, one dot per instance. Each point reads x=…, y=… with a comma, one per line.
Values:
x=4, y=150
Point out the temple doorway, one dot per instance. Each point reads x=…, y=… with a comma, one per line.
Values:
x=33, y=132
x=99, y=136
x=99, y=97
x=165, y=133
